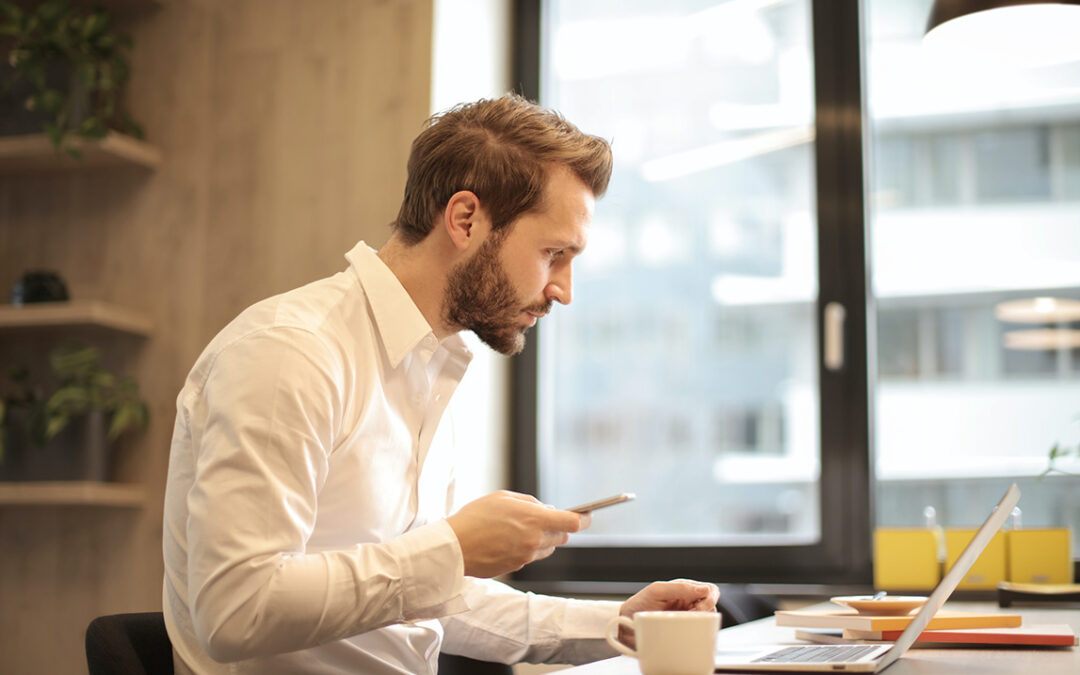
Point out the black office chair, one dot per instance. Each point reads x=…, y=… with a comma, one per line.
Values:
x=137, y=644
x=449, y=664
x=129, y=644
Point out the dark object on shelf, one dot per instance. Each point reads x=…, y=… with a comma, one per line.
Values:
x=80, y=452
x=1051, y=595
x=39, y=286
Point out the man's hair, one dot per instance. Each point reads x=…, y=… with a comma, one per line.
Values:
x=500, y=149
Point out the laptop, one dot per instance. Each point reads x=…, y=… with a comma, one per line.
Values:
x=870, y=658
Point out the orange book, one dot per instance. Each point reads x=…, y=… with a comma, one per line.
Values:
x=1047, y=635
x=851, y=619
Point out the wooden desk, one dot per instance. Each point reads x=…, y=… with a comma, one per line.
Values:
x=918, y=660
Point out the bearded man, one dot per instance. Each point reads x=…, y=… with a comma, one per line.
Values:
x=310, y=481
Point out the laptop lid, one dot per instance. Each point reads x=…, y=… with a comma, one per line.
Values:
x=952, y=579
x=872, y=662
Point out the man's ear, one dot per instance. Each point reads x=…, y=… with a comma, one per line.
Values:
x=462, y=219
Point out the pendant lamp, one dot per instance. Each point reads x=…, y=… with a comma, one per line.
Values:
x=1019, y=33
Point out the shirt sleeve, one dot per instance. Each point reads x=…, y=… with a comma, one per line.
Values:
x=506, y=625
x=263, y=427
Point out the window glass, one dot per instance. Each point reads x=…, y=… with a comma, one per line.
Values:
x=974, y=203
x=686, y=364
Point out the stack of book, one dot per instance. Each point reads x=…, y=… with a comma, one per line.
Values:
x=848, y=626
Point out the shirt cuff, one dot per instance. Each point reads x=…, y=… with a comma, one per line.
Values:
x=433, y=572
x=586, y=623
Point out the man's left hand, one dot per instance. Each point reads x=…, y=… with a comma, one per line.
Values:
x=660, y=596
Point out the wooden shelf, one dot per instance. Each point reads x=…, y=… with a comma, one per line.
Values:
x=34, y=152
x=120, y=5
x=78, y=313
x=115, y=6
x=72, y=493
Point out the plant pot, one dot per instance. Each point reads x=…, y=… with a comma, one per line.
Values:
x=16, y=120
x=79, y=452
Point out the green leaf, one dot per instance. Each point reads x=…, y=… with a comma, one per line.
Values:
x=128, y=416
x=72, y=399
x=120, y=422
x=55, y=426
x=96, y=24
x=73, y=360
x=101, y=380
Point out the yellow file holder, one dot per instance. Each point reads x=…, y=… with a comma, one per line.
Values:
x=989, y=567
x=1041, y=556
x=905, y=559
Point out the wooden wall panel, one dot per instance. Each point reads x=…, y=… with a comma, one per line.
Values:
x=284, y=126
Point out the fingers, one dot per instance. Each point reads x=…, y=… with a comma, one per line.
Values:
x=520, y=496
x=565, y=521
x=680, y=594
x=680, y=590
x=543, y=553
x=503, y=531
x=707, y=594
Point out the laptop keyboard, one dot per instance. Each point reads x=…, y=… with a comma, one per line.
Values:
x=816, y=654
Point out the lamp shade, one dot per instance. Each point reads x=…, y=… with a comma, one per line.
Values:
x=947, y=10
x=1022, y=33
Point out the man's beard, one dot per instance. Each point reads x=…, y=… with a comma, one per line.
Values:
x=481, y=298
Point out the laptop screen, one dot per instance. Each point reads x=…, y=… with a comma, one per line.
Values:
x=949, y=583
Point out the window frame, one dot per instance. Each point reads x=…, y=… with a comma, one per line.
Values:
x=843, y=556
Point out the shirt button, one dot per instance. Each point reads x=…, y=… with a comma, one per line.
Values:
x=429, y=341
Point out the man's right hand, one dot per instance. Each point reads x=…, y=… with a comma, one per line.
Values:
x=504, y=531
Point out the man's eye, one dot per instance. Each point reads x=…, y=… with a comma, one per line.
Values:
x=555, y=254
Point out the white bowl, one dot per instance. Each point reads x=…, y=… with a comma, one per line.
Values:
x=888, y=605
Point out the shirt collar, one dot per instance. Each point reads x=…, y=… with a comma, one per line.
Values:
x=401, y=325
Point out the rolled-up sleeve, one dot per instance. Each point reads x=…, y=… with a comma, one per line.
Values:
x=263, y=429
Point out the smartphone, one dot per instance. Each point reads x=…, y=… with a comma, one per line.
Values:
x=601, y=503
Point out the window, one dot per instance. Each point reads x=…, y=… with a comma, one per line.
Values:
x=973, y=206
x=689, y=370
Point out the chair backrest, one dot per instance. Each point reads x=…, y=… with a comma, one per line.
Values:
x=129, y=644
x=450, y=664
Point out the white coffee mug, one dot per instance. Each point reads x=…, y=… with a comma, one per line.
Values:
x=669, y=643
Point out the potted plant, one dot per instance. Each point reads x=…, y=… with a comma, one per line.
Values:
x=1059, y=452
x=64, y=70
x=65, y=434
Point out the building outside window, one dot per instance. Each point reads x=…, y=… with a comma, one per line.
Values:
x=688, y=368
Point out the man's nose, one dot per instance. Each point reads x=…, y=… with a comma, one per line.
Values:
x=561, y=287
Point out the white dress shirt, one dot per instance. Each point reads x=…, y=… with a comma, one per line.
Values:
x=309, y=480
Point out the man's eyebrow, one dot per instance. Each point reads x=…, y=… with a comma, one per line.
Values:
x=571, y=246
